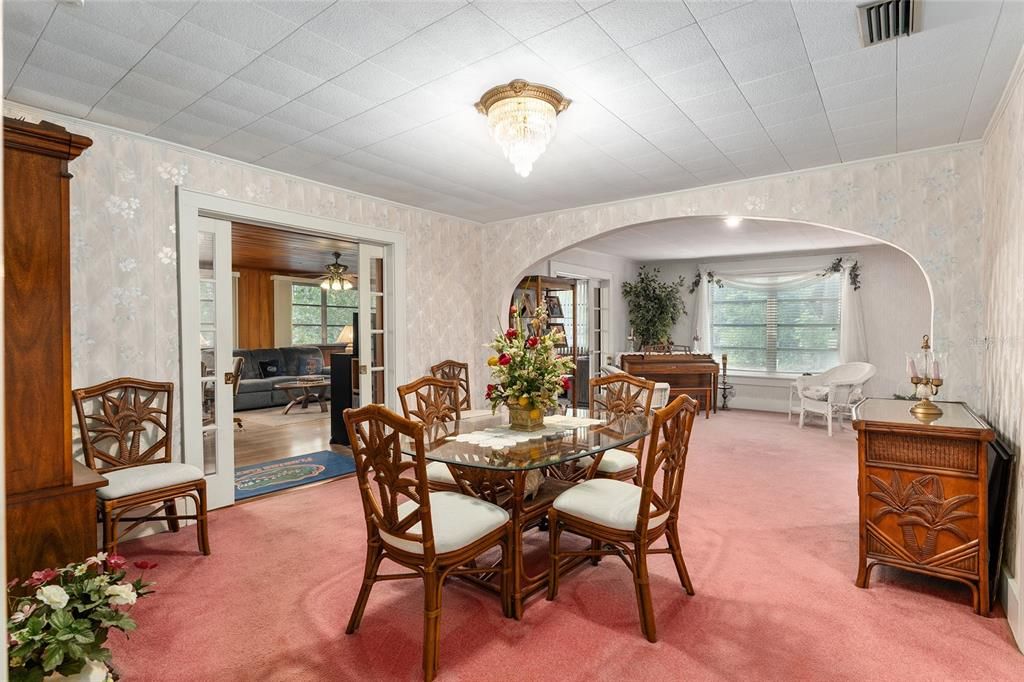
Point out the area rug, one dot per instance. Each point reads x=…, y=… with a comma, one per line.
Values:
x=272, y=417
x=289, y=472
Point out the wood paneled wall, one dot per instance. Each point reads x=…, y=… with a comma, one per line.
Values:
x=255, y=308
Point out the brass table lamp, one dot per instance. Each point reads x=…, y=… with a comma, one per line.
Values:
x=925, y=371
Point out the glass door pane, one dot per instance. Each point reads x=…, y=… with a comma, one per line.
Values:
x=374, y=333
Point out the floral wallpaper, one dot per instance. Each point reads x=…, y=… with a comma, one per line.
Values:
x=124, y=315
x=930, y=204
x=1003, y=290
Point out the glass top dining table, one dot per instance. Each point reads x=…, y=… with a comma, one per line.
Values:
x=487, y=442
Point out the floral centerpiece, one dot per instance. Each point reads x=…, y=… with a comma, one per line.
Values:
x=60, y=630
x=528, y=374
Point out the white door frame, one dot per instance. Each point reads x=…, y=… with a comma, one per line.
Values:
x=573, y=271
x=190, y=205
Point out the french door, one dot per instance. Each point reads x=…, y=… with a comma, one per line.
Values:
x=207, y=339
x=376, y=374
x=600, y=323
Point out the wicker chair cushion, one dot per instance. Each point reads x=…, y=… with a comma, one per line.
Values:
x=143, y=479
x=458, y=520
x=605, y=501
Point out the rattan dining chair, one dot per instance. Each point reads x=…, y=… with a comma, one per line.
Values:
x=126, y=427
x=459, y=371
x=433, y=402
x=625, y=519
x=435, y=534
x=620, y=394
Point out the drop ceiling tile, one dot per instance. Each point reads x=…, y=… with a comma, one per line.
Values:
x=655, y=162
x=866, y=150
x=59, y=60
x=753, y=23
x=963, y=73
x=755, y=156
x=468, y=35
x=945, y=100
x=191, y=130
x=764, y=59
x=877, y=130
x=17, y=47
x=320, y=144
x=76, y=98
x=313, y=54
x=246, y=96
x=27, y=16
x=696, y=81
x=680, y=133
x=765, y=167
x=716, y=176
x=167, y=68
x=780, y=86
x=296, y=11
x=1002, y=54
x=854, y=66
x=791, y=109
x=273, y=129
x=197, y=45
x=754, y=139
x=417, y=61
x=667, y=119
x=639, y=98
x=812, y=127
x=146, y=89
x=676, y=51
x=242, y=22
x=628, y=147
x=573, y=44
x=812, y=159
x=270, y=74
x=715, y=105
x=373, y=83
x=420, y=106
x=229, y=115
x=630, y=23
x=293, y=160
x=358, y=27
x=305, y=117
x=693, y=149
x=415, y=15
x=526, y=19
x=367, y=128
x=143, y=22
x=101, y=43
x=705, y=9
x=715, y=161
x=245, y=146
x=608, y=74
x=860, y=114
x=130, y=113
x=829, y=28
x=853, y=93
x=336, y=101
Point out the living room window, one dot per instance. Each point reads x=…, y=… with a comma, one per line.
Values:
x=318, y=315
x=789, y=330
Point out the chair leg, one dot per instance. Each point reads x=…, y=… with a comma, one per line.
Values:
x=595, y=546
x=554, y=531
x=171, y=510
x=109, y=532
x=801, y=416
x=672, y=534
x=506, y=577
x=202, y=526
x=431, y=622
x=374, y=554
x=643, y=594
x=828, y=416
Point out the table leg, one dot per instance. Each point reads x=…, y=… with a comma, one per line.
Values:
x=516, y=543
x=294, y=401
x=714, y=393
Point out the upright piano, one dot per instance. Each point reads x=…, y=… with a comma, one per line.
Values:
x=694, y=374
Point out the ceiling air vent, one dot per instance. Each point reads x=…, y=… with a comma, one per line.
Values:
x=881, y=21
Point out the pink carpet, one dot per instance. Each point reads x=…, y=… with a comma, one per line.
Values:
x=770, y=537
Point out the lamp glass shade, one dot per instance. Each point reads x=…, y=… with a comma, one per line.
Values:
x=326, y=284
x=345, y=336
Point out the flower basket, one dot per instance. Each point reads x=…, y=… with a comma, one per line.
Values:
x=525, y=419
x=527, y=373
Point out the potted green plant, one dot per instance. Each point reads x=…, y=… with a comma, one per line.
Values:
x=58, y=629
x=654, y=306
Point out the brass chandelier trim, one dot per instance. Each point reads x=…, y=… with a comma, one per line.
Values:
x=521, y=88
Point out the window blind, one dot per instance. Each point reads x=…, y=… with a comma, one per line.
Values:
x=789, y=330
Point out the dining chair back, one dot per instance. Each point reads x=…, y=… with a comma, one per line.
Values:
x=126, y=426
x=430, y=400
x=459, y=371
x=620, y=394
x=435, y=534
x=666, y=452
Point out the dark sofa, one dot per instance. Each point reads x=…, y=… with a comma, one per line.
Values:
x=256, y=391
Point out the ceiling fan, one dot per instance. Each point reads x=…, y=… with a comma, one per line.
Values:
x=336, y=278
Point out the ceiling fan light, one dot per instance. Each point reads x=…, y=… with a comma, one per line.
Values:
x=326, y=284
x=336, y=285
x=346, y=285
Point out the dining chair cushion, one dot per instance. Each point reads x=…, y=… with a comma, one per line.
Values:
x=142, y=479
x=438, y=472
x=815, y=392
x=606, y=502
x=458, y=521
x=614, y=461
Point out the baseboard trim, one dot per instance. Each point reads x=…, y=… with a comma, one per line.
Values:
x=1009, y=597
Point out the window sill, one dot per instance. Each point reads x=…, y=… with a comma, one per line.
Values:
x=760, y=378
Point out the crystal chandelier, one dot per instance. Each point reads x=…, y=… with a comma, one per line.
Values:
x=336, y=278
x=521, y=117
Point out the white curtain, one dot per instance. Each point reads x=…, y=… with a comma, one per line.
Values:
x=702, y=319
x=853, y=346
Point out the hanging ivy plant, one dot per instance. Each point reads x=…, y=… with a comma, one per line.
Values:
x=837, y=266
x=711, y=278
x=654, y=306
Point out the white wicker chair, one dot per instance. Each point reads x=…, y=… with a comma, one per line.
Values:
x=661, y=388
x=833, y=392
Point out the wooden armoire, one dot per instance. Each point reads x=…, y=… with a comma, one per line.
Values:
x=51, y=497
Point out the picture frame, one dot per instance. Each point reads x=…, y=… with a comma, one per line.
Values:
x=528, y=304
x=557, y=327
x=554, y=306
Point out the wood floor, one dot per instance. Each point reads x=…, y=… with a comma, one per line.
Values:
x=255, y=444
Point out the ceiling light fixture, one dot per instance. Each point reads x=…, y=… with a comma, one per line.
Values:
x=732, y=220
x=521, y=116
x=336, y=278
